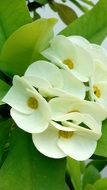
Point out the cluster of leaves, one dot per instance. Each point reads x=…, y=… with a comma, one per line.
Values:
x=67, y=14
x=21, y=165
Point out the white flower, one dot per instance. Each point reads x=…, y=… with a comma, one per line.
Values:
x=52, y=81
x=74, y=131
x=72, y=55
x=98, y=81
x=62, y=140
x=62, y=106
x=29, y=109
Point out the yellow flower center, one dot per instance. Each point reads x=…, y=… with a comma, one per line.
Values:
x=69, y=63
x=97, y=91
x=32, y=103
x=65, y=134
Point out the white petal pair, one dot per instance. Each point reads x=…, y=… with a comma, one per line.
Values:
x=98, y=81
x=54, y=143
x=52, y=81
x=29, y=109
x=70, y=54
x=66, y=135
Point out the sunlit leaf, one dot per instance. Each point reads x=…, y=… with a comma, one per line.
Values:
x=13, y=14
x=92, y=25
x=24, y=46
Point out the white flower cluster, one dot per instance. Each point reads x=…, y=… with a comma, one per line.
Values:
x=63, y=102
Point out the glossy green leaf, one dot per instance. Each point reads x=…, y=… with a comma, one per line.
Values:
x=4, y=134
x=101, y=184
x=74, y=171
x=4, y=87
x=67, y=14
x=26, y=168
x=92, y=25
x=91, y=175
x=102, y=143
x=13, y=14
x=24, y=46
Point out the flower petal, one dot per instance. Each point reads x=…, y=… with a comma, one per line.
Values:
x=99, y=54
x=63, y=105
x=63, y=49
x=78, y=147
x=72, y=85
x=103, y=94
x=46, y=143
x=47, y=71
x=62, y=127
x=79, y=40
x=75, y=117
x=100, y=73
x=80, y=130
x=37, y=81
x=74, y=122
x=32, y=123
x=18, y=96
x=78, y=118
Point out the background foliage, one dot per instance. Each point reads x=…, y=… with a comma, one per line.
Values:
x=21, y=40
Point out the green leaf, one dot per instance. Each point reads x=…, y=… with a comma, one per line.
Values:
x=99, y=164
x=92, y=25
x=102, y=143
x=24, y=46
x=91, y=175
x=90, y=187
x=88, y=2
x=42, y=2
x=13, y=14
x=26, y=168
x=35, y=16
x=74, y=171
x=80, y=6
x=4, y=134
x=4, y=87
x=67, y=14
x=101, y=184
